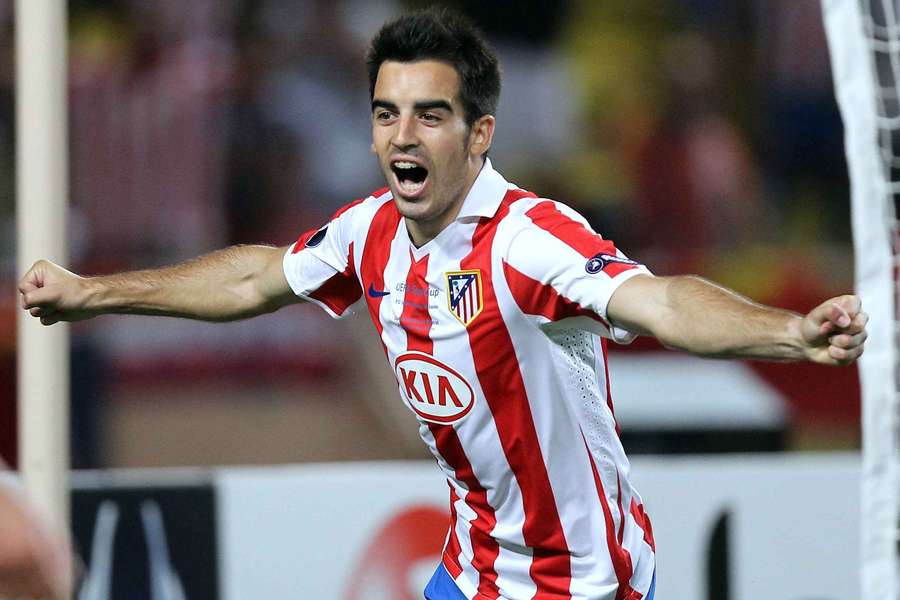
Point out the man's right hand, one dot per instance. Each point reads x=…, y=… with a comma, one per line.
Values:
x=225, y=285
x=54, y=294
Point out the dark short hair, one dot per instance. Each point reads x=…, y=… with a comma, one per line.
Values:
x=443, y=35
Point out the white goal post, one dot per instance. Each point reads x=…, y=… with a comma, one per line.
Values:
x=41, y=222
x=864, y=42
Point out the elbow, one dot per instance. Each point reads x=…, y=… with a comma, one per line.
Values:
x=683, y=318
x=257, y=297
x=672, y=344
x=665, y=328
x=679, y=343
x=677, y=334
x=696, y=345
x=242, y=300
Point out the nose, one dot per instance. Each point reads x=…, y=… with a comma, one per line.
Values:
x=405, y=134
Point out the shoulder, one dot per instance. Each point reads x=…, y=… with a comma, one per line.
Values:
x=365, y=206
x=531, y=219
x=355, y=219
x=544, y=213
x=349, y=222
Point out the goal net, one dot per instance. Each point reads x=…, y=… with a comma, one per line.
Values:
x=864, y=42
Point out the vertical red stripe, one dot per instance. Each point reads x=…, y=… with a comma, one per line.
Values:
x=467, y=304
x=504, y=390
x=643, y=521
x=621, y=535
x=463, y=308
x=484, y=547
x=620, y=557
x=375, y=257
x=416, y=321
x=452, y=551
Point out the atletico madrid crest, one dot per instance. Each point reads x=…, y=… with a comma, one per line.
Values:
x=464, y=295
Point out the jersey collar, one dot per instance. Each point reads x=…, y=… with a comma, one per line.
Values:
x=486, y=194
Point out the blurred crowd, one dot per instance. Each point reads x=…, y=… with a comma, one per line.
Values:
x=688, y=130
x=702, y=136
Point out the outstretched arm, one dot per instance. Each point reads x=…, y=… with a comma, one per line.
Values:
x=695, y=315
x=234, y=283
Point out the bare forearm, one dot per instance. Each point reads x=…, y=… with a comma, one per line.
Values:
x=220, y=286
x=698, y=316
x=706, y=319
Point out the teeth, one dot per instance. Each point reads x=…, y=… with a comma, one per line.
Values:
x=405, y=165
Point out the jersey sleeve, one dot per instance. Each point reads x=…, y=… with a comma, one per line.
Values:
x=320, y=265
x=558, y=268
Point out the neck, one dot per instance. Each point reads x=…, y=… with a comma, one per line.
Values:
x=421, y=232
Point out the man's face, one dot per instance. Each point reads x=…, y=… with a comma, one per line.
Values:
x=428, y=154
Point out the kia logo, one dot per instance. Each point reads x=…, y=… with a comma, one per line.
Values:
x=433, y=390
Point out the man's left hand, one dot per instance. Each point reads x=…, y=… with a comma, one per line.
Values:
x=834, y=333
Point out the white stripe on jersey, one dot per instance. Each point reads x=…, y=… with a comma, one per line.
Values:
x=480, y=434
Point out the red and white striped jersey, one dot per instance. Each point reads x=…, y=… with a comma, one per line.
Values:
x=496, y=330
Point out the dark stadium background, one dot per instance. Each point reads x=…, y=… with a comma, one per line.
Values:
x=702, y=136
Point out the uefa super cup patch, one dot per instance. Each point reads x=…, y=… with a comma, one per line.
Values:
x=601, y=260
x=464, y=295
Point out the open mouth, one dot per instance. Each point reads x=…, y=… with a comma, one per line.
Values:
x=410, y=176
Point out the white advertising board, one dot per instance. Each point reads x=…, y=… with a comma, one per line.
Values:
x=780, y=527
x=303, y=532
x=792, y=528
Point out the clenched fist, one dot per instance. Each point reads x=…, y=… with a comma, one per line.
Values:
x=54, y=294
x=835, y=331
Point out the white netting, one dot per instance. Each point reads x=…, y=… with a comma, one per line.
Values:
x=864, y=40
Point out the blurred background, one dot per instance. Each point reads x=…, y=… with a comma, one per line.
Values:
x=701, y=136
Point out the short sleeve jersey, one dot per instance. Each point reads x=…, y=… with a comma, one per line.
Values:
x=496, y=331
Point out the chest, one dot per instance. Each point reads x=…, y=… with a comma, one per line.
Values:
x=439, y=292
x=433, y=303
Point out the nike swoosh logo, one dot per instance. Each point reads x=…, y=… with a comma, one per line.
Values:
x=375, y=293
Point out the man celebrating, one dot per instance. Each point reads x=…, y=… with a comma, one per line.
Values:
x=494, y=307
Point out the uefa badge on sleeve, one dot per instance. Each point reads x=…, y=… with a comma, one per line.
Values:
x=464, y=295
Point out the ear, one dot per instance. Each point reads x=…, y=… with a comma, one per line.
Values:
x=372, y=148
x=481, y=135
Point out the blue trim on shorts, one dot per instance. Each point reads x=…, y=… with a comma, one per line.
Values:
x=652, y=591
x=442, y=586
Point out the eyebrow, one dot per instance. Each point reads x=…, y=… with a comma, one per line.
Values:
x=421, y=105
